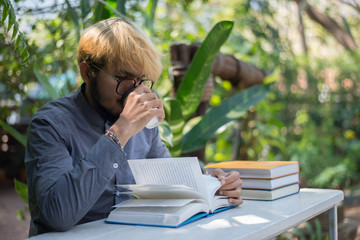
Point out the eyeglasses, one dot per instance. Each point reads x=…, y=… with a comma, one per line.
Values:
x=125, y=84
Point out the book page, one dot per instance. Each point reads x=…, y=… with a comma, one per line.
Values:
x=169, y=171
x=155, y=203
x=212, y=185
x=162, y=192
x=162, y=210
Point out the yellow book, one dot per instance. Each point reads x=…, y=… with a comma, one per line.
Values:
x=257, y=169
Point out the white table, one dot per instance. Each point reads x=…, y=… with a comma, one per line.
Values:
x=251, y=220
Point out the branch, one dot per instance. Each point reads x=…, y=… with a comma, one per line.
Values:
x=353, y=5
x=332, y=27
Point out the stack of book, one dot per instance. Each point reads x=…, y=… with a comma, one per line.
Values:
x=263, y=180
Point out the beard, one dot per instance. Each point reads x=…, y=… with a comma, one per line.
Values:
x=100, y=109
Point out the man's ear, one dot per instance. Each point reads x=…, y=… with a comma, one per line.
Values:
x=86, y=73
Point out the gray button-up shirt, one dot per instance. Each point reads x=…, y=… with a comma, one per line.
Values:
x=73, y=168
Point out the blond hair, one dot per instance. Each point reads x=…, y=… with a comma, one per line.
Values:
x=121, y=44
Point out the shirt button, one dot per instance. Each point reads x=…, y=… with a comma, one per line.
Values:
x=115, y=165
x=117, y=193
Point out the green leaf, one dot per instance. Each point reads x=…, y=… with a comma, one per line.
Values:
x=318, y=229
x=18, y=41
x=120, y=6
x=101, y=12
x=5, y=13
x=20, y=214
x=15, y=30
x=13, y=132
x=299, y=234
x=190, y=90
x=22, y=190
x=25, y=54
x=273, y=77
x=45, y=82
x=11, y=21
x=173, y=113
x=173, y=116
x=85, y=8
x=8, y=11
x=310, y=230
x=150, y=15
x=165, y=133
x=229, y=110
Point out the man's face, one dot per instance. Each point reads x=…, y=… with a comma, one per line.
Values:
x=103, y=96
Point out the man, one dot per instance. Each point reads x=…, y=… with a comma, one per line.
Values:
x=78, y=145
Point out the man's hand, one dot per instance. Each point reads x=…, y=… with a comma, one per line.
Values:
x=141, y=106
x=230, y=185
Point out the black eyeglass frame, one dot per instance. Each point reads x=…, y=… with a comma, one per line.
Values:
x=136, y=82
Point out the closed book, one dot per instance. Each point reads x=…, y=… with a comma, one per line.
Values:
x=268, y=184
x=257, y=169
x=169, y=192
x=261, y=194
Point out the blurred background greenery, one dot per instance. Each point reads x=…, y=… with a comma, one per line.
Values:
x=311, y=114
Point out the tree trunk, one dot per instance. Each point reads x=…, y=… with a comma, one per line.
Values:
x=332, y=27
x=241, y=74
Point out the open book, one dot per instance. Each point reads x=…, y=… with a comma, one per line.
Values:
x=169, y=192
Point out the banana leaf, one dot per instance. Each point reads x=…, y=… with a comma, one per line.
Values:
x=173, y=115
x=190, y=91
x=229, y=110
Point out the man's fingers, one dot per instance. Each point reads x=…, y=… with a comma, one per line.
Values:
x=233, y=195
x=232, y=176
x=232, y=185
x=235, y=201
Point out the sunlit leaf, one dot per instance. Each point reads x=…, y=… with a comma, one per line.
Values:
x=273, y=77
